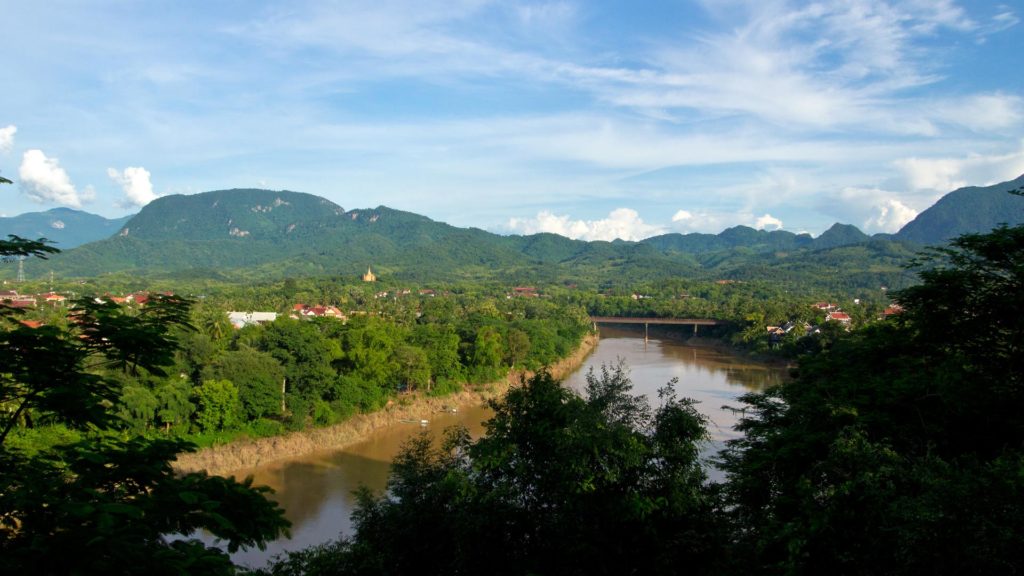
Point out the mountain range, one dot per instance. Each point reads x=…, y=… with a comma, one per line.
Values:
x=264, y=234
x=65, y=227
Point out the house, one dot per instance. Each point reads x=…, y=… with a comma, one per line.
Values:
x=307, y=311
x=826, y=306
x=14, y=300
x=841, y=317
x=53, y=298
x=525, y=291
x=243, y=319
x=777, y=333
x=892, y=310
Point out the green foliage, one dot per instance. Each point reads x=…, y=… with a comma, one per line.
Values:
x=559, y=485
x=354, y=395
x=898, y=449
x=175, y=404
x=258, y=377
x=413, y=367
x=138, y=407
x=218, y=407
x=304, y=353
x=92, y=502
x=487, y=348
x=104, y=506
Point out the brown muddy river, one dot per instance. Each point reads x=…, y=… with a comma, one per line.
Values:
x=316, y=490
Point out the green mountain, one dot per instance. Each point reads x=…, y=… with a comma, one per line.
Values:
x=249, y=235
x=971, y=209
x=840, y=235
x=67, y=228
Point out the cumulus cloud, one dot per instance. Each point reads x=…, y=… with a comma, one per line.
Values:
x=877, y=210
x=947, y=174
x=686, y=221
x=137, y=187
x=682, y=216
x=7, y=138
x=890, y=216
x=621, y=223
x=767, y=221
x=45, y=182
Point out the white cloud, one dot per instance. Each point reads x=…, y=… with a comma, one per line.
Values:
x=984, y=112
x=7, y=138
x=890, y=216
x=947, y=174
x=621, y=223
x=45, y=182
x=766, y=221
x=875, y=209
x=682, y=216
x=135, y=182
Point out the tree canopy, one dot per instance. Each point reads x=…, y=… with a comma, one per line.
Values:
x=107, y=503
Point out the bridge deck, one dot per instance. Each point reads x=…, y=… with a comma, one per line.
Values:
x=634, y=320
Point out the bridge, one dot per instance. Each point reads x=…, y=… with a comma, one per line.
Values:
x=647, y=321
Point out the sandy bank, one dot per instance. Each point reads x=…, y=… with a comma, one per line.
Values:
x=249, y=453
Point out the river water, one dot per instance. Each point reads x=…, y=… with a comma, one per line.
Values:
x=316, y=490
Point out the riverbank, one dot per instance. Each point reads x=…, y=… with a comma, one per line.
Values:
x=243, y=454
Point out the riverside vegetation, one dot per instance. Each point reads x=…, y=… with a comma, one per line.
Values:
x=871, y=461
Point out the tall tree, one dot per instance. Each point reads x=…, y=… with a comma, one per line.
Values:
x=898, y=450
x=560, y=484
x=105, y=504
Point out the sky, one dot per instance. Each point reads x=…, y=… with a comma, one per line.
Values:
x=591, y=119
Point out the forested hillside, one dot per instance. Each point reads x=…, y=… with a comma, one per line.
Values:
x=260, y=234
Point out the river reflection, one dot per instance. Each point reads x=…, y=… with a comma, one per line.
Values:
x=316, y=490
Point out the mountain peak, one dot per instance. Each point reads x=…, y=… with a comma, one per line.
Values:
x=965, y=210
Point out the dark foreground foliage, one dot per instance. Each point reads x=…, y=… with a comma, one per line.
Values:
x=561, y=484
x=107, y=504
x=900, y=450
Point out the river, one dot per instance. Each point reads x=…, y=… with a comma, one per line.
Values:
x=316, y=490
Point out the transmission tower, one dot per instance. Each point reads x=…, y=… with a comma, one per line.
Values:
x=21, y=269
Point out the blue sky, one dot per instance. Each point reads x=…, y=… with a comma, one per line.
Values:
x=591, y=119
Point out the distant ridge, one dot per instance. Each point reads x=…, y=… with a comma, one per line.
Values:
x=971, y=209
x=66, y=227
x=265, y=234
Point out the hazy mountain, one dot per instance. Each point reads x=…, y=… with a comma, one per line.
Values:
x=67, y=228
x=971, y=209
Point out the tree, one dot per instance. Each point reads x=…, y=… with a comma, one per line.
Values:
x=487, y=348
x=258, y=377
x=304, y=353
x=174, y=404
x=413, y=367
x=895, y=449
x=138, y=407
x=559, y=485
x=218, y=407
x=517, y=347
x=105, y=504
